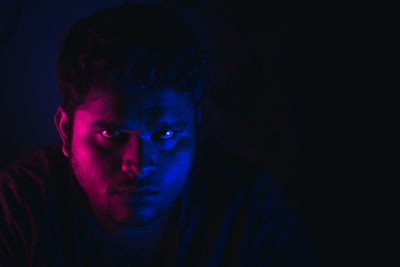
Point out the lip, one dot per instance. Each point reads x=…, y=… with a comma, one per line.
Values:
x=144, y=189
x=137, y=192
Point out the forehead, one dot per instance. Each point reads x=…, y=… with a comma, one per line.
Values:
x=138, y=105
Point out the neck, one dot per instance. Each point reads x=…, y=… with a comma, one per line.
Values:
x=133, y=243
x=120, y=231
x=151, y=233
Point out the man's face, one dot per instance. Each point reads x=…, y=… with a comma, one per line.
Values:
x=133, y=154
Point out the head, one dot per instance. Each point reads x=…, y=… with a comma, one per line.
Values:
x=131, y=79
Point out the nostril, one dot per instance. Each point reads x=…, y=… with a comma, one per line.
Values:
x=145, y=171
x=131, y=167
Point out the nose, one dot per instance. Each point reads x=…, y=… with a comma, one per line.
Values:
x=137, y=159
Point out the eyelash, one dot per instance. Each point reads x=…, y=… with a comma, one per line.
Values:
x=166, y=130
x=103, y=133
x=122, y=134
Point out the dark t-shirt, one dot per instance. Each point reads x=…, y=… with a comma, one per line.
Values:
x=230, y=214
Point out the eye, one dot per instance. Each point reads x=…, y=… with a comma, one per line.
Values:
x=110, y=133
x=164, y=134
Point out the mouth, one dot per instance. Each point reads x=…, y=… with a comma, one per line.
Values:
x=137, y=192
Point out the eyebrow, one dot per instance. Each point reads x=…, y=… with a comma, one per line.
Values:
x=178, y=124
x=103, y=123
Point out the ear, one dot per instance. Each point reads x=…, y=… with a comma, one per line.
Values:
x=63, y=125
x=198, y=115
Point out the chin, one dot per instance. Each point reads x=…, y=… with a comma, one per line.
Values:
x=138, y=218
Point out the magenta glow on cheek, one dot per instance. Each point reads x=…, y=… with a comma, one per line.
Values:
x=118, y=211
x=92, y=171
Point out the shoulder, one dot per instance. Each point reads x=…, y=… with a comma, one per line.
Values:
x=227, y=181
x=27, y=185
x=31, y=177
x=31, y=180
x=35, y=170
x=261, y=215
x=24, y=198
x=222, y=170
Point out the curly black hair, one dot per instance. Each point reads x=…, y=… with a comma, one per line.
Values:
x=126, y=47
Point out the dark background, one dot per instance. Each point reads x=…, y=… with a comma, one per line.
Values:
x=276, y=91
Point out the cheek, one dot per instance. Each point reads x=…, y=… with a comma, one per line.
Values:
x=93, y=161
x=177, y=163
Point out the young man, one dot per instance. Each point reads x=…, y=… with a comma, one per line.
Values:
x=130, y=184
